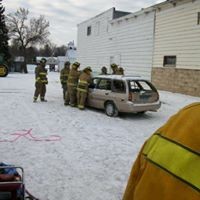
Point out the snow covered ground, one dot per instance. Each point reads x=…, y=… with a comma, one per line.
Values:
x=93, y=159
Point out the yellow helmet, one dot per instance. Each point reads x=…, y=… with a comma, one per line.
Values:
x=113, y=65
x=43, y=60
x=87, y=69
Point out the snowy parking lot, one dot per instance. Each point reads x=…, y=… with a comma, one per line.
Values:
x=68, y=154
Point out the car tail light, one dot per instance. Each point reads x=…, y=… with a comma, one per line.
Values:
x=130, y=97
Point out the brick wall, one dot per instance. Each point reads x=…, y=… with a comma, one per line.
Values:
x=185, y=81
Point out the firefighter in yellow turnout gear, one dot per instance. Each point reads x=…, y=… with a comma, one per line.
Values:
x=72, y=83
x=64, y=73
x=82, y=89
x=41, y=81
x=168, y=165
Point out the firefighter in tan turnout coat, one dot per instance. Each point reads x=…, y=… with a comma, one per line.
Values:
x=72, y=83
x=64, y=73
x=41, y=81
x=82, y=89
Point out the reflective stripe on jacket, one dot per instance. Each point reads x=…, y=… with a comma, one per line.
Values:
x=84, y=81
x=41, y=74
x=73, y=78
x=64, y=75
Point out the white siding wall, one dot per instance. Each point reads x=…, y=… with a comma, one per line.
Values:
x=92, y=50
x=132, y=39
x=177, y=33
x=128, y=43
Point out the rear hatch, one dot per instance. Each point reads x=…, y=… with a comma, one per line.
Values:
x=142, y=91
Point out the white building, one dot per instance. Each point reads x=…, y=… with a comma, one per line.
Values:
x=71, y=53
x=71, y=56
x=161, y=43
x=131, y=42
x=176, y=62
x=118, y=37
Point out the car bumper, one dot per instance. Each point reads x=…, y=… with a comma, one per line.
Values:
x=134, y=108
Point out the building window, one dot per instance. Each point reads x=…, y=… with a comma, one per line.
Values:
x=169, y=61
x=198, y=18
x=89, y=30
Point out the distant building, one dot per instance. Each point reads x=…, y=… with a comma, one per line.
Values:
x=61, y=62
x=50, y=60
x=71, y=55
x=17, y=64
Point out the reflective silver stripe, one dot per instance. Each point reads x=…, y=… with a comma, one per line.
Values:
x=42, y=73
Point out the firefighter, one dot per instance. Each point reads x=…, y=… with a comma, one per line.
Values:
x=103, y=71
x=114, y=68
x=41, y=81
x=72, y=83
x=64, y=73
x=120, y=71
x=82, y=89
x=168, y=165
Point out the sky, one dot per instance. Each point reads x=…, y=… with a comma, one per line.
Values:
x=64, y=15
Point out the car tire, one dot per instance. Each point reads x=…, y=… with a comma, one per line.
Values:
x=111, y=109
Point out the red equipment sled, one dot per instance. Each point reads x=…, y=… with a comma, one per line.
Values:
x=12, y=185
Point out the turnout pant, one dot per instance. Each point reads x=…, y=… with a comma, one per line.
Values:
x=64, y=87
x=40, y=89
x=81, y=98
x=71, y=96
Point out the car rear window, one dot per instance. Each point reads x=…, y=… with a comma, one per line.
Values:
x=140, y=85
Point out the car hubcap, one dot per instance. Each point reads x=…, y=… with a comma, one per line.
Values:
x=110, y=109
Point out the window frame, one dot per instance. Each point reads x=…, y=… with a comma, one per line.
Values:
x=92, y=85
x=166, y=64
x=114, y=89
x=97, y=87
x=89, y=30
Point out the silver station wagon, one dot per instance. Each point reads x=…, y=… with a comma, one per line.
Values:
x=126, y=94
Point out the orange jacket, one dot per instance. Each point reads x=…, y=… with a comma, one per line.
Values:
x=168, y=165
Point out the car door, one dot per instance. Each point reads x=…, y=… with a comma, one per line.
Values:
x=101, y=93
x=119, y=94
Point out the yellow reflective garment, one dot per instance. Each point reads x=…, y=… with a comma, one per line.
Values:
x=81, y=90
x=42, y=73
x=83, y=82
x=174, y=158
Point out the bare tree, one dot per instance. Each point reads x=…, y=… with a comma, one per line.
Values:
x=60, y=51
x=27, y=32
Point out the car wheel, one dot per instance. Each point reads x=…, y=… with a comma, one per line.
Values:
x=111, y=110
